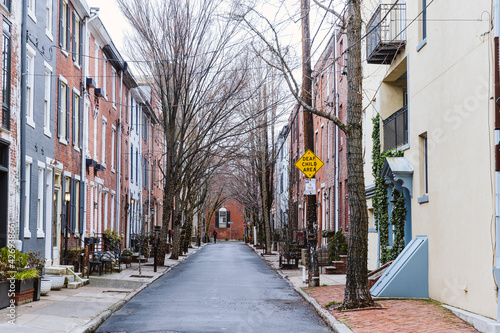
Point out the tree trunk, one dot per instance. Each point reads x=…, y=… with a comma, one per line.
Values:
x=357, y=293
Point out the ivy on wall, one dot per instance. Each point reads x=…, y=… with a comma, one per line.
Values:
x=380, y=201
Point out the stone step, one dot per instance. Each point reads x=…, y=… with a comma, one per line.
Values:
x=55, y=270
x=85, y=282
x=74, y=285
x=70, y=278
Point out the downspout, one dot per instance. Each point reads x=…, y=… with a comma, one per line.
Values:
x=85, y=129
x=119, y=160
x=337, y=138
x=22, y=191
x=496, y=269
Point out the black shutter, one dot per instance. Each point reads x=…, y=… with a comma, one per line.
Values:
x=61, y=27
x=68, y=28
x=72, y=220
x=228, y=215
x=73, y=124
x=82, y=208
x=80, y=47
x=59, y=113
x=67, y=106
x=73, y=47
x=64, y=220
x=216, y=219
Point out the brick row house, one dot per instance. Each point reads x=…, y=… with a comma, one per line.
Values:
x=10, y=157
x=89, y=144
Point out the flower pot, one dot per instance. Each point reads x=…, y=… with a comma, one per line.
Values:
x=57, y=281
x=4, y=294
x=23, y=285
x=36, y=291
x=45, y=286
x=126, y=259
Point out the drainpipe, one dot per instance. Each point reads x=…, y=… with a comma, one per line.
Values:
x=22, y=191
x=119, y=160
x=337, y=138
x=496, y=269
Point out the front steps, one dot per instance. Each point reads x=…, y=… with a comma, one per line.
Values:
x=72, y=280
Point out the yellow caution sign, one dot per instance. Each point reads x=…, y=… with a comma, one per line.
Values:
x=309, y=164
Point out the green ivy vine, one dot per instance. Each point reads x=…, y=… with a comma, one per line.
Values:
x=380, y=200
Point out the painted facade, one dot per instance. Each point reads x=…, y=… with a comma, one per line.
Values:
x=449, y=193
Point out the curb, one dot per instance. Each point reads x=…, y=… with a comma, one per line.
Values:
x=94, y=324
x=329, y=319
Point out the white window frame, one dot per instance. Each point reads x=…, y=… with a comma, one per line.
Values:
x=76, y=108
x=112, y=219
x=65, y=47
x=31, y=4
x=49, y=21
x=113, y=86
x=103, y=141
x=64, y=87
x=113, y=139
x=96, y=61
x=223, y=218
x=47, y=106
x=40, y=203
x=104, y=81
x=27, y=193
x=30, y=85
x=77, y=35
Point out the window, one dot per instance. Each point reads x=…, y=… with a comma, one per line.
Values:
x=131, y=163
x=76, y=119
x=30, y=78
x=126, y=109
x=46, y=102
x=63, y=111
x=126, y=159
x=104, y=68
x=113, y=135
x=96, y=61
x=132, y=102
x=424, y=168
x=396, y=129
x=48, y=18
x=6, y=4
x=137, y=117
x=223, y=219
x=112, y=211
x=39, y=204
x=103, y=140
x=137, y=165
x=31, y=9
x=424, y=20
x=113, y=86
x=77, y=40
x=6, y=58
x=27, y=195
x=64, y=25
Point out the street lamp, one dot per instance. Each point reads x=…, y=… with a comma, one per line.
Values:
x=67, y=199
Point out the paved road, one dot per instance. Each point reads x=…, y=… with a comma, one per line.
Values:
x=224, y=287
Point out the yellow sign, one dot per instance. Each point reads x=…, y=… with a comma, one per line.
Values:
x=309, y=164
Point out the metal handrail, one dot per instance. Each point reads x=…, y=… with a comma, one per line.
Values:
x=387, y=25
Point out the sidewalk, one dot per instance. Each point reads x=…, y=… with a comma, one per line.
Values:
x=395, y=315
x=85, y=308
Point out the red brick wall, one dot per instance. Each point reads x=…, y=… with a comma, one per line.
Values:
x=236, y=215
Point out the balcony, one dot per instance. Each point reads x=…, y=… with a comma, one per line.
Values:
x=386, y=33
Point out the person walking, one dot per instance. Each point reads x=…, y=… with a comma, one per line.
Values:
x=215, y=236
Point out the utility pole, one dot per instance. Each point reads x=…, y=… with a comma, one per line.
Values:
x=311, y=212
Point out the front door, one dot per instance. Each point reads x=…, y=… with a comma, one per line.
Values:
x=56, y=223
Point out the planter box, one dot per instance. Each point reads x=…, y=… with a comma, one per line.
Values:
x=23, y=285
x=37, y=288
x=4, y=294
x=24, y=296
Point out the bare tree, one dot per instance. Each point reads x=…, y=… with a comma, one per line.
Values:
x=356, y=292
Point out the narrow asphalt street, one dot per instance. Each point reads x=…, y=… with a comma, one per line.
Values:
x=225, y=287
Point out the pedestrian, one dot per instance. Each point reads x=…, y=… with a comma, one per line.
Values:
x=215, y=236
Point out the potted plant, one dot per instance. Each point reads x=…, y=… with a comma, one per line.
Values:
x=36, y=261
x=4, y=282
x=126, y=256
x=25, y=279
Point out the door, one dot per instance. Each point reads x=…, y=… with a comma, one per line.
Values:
x=56, y=222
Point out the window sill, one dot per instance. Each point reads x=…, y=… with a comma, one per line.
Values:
x=40, y=233
x=49, y=35
x=423, y=199
x=77, y=148
x=63, y=141
x=78, y=66
x=372, y=230
x=30, y=122
x=422, y=44
x=27, y=233
x=47, y=133
x=66, y=54
x=32, y=15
